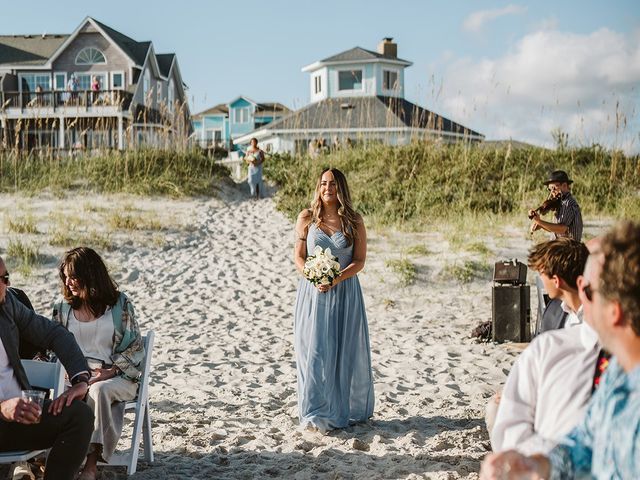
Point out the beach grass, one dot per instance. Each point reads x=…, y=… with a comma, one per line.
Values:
x=414, y=186
x=23, y=256
x=138, y=171
x=404, y=270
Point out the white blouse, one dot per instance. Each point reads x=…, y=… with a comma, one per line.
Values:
x=95, y=338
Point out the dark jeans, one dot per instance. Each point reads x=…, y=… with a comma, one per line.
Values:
x=67, y=434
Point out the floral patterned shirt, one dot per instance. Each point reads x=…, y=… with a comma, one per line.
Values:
x=606, y=444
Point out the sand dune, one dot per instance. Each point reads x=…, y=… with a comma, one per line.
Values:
x=217, y=284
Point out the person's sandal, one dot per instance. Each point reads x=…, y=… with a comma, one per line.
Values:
x=22, y=471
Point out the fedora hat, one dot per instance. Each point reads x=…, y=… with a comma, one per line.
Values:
x=559, y=176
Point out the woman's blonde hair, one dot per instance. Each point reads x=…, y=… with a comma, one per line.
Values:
x=348, y=216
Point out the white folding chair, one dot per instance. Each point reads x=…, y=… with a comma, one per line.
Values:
x=43, y=375
x=142, y=420
x=541, y=304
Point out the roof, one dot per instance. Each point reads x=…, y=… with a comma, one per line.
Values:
x=367, y=112
x=271, y=108
x=137, y=51
x=357, y=54
x=164, y=62
x=220, y=109
x=29, y=49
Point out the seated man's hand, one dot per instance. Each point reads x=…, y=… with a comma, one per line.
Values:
x=20, y=411
x=78, y=391
x=100, y=374
x=510, y=465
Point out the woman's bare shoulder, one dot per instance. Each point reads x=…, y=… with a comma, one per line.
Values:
x=305, y=214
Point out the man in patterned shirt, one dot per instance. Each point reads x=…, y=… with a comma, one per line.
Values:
x=606, y=443
x=568, y=217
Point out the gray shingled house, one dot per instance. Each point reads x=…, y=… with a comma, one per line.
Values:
x=93, y=88
x=358, y=96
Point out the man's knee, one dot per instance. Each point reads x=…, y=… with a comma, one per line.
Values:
x=80, y=415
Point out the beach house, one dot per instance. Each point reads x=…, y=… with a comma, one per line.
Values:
x=93, y=88
x=219, y=126
x=358, y=96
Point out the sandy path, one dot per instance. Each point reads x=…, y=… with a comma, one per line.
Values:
x=219, y=294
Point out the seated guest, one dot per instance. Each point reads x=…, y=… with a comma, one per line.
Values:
x=102, y=320
x=606, y=442
x=63, y=425
x=559, y=263
x=551, y=381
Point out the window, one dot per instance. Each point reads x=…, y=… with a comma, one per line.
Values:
x=84, y=80
x=350, y=80
x=213, y=136
x=389, y=79
x=241, y=115
x=170, y=94
x=146, y=83
x=117, y=80
x=90, y=56
x=59, y=81
x=317, y=84
x=159, y=93
x=31, y=81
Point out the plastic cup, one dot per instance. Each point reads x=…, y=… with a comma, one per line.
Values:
x=35, y=396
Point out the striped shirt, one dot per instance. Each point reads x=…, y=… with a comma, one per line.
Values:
x=569, y=214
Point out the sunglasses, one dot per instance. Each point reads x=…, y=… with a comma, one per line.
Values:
x=588, y=292
x=5, y=278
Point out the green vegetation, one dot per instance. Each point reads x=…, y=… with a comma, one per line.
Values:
x=404, y=270
x=466, y=271
x=22, y=256
x=71, y=239
x=26, y=224
x=419, y=250
x=129, y=221
x=143, y=172
x=412, y=186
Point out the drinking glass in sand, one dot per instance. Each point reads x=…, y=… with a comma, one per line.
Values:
x=34, y=396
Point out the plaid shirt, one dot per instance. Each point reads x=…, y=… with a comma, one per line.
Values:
x=569, y=214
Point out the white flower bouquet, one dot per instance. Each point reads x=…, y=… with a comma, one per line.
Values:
x=321, y=268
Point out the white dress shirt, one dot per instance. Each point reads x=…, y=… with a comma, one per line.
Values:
x=573, y=318
x=547, y=390
x=9, y=386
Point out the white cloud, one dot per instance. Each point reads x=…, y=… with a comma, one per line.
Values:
x=475, y=21
x=588, y=85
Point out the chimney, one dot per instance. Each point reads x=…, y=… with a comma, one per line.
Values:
x=387, y=48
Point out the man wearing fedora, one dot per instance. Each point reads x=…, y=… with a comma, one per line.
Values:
x=568, y=217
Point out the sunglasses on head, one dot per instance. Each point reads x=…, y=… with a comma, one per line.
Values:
x=5, y=278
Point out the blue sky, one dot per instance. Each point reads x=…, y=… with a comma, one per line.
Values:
x=507, y=69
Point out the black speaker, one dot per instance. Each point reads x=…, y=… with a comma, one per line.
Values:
x=511, y=313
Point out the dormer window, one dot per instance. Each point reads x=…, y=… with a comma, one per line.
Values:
x=317, y=84
x=350, y=80
x=90, y=56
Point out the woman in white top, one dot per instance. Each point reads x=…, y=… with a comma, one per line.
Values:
x=102, y=320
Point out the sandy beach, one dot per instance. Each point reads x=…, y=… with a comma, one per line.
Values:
x=215, y=280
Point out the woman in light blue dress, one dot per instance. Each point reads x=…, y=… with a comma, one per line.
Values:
x=255, y=159
x=335, y=383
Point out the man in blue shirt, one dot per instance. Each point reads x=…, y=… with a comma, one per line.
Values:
x=606, y=443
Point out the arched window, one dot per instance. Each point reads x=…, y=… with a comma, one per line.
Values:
x=90, y=56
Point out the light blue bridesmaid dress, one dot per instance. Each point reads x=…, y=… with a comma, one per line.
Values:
x=335, y=383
